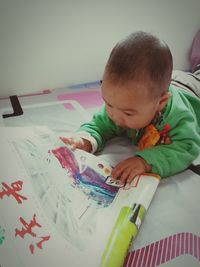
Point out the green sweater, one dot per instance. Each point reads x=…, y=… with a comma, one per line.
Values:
x=182, y=113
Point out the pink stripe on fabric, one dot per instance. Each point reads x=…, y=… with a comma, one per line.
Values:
x=135, y=258
x=187, y=243
x=178, y=245
x=195, y=254
x=156, y=253
x=126, y=259
x=182, y=243
x=173, y=246
x=160, y=248
x=165, y=250
x=145, y=258
x=169, y=249
x=191, y=244
x=148, y=260
x=140, y=257
x=87, y=99
x=130, y=259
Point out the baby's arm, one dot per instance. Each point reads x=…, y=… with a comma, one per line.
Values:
x=165, y=159
x=77, y=142
x=92, y=135
x=81, y=140
x=170, y=159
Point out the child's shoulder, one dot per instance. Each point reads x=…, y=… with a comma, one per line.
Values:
x=183, y=93
x=182, y=105
x=182, y=99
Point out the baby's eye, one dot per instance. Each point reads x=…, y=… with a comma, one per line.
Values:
x=128, y=114
x=109, y=105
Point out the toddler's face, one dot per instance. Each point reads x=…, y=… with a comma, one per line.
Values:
x=129, y=105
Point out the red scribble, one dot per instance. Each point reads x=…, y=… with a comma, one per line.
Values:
x=44, y=239
x=12, y=191
x=27, y=229
x=31, y=247
x=39, y=244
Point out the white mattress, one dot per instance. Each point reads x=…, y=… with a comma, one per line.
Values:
x=170, y=233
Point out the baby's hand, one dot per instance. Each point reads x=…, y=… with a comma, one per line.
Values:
x=77, y=142
x=128, y=169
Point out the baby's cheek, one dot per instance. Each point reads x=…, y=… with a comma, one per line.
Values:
x=131, y=122
x=108, y=111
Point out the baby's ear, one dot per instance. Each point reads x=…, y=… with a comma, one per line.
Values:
x=163, y=100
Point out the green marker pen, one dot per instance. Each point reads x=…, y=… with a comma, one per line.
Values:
x=125, y=229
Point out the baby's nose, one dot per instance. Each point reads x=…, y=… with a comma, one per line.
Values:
x=117, y=118
x=119, y=121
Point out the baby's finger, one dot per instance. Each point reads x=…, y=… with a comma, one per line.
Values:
x=125, y=175
x=117, y=171
x=66, y=140
x=116, y=175
x=131, y=177
x=73, y=146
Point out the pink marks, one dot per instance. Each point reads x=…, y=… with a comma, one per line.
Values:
x=165, y=250
x=87, y=99
x=66, y=159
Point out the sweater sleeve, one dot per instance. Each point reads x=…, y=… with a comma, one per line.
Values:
x=101, y=128
x=167, y=160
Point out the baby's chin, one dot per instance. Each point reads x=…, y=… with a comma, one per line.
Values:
x=131, y=126
x=136, y=127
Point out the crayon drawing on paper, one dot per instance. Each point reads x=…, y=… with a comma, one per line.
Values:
x=71, y=189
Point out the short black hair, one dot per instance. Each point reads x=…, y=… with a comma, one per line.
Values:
x=141, y=56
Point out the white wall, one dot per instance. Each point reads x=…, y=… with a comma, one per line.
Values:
x=53, y=43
